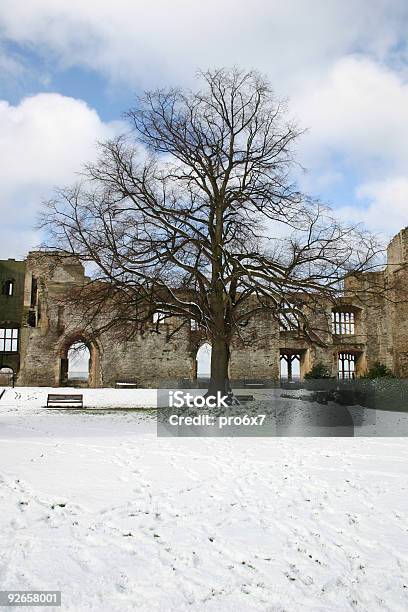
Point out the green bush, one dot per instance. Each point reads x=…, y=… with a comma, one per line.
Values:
x=379, y=370
x=319, y=370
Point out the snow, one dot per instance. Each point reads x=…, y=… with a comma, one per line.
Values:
x=97, y=506
x=36, y=397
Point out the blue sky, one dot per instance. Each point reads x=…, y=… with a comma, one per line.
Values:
x=69, y=69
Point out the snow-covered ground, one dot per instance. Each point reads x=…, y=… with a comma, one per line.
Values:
x=95, y=505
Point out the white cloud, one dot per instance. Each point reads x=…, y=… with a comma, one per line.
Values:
x=43, y=142
x=148, y=42
x=358, y=119
x=361, y=110
x=340, y=62
x=386, y=205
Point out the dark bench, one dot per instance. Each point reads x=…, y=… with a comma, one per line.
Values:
x=245, y=398
x=62, y=400
x=254, y=385
x=126, y=384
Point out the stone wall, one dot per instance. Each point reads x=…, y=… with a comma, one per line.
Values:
x=146, y=358
x=396, y=308
x=151, y=359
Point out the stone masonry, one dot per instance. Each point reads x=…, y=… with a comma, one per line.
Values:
x=47, y=329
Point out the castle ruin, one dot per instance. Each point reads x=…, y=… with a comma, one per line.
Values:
x=37, y=332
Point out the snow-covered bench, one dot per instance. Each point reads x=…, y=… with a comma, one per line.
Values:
x=126, y=384
x=254, y=384
x=245, y=398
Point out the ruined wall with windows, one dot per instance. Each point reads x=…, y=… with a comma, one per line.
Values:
x=37, y=330
x=56, y=325
x=394, y=329
x=12, y=281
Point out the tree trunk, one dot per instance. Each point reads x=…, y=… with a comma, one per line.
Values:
x=220, y=356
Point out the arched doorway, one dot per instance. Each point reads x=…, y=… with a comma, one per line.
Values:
x=6, y=377
x=203, y=361
x=78, y=357
x=79, y=365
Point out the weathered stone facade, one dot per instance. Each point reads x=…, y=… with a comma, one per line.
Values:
x=46, y=329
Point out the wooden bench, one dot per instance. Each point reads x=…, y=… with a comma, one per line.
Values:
x=59, y=399
x=126, y=384
x=245, y=398
x=254, y=385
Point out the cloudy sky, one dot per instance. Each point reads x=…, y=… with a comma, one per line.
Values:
x=68, y=69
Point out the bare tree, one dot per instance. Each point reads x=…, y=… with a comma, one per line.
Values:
x=194, y=214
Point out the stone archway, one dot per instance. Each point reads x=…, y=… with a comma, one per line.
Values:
x=7, y=375
x=70, y=347
x=201, y=361
x=78, y=357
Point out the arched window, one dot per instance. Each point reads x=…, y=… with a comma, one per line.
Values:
x=289, y=366
x=204, y=361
